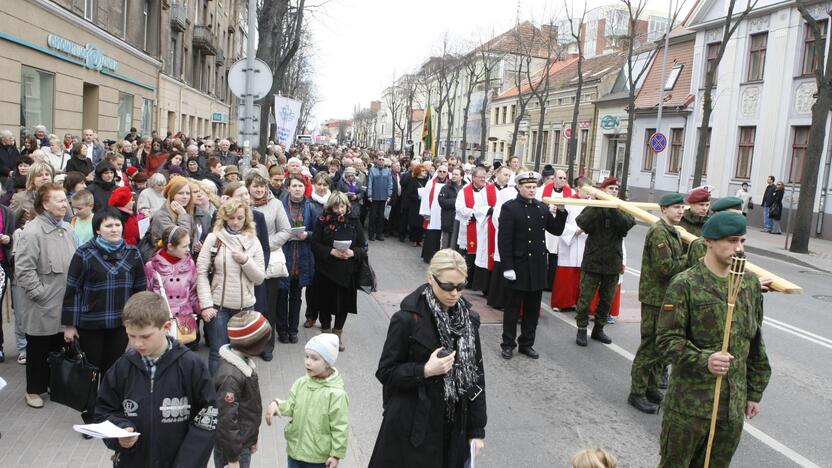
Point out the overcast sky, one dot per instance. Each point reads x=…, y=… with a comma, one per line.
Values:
x=362, y=45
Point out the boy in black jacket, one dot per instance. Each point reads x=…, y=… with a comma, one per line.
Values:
x=159, y=389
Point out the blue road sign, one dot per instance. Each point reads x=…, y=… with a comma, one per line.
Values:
x=658, y=142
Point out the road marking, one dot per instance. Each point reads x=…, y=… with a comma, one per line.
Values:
x=782, y=326
x=773, y=443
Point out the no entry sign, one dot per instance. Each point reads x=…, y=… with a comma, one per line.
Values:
x=658, y=142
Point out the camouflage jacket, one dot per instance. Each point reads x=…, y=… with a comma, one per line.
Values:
x=693, y=222
x=690, y=328
x=663, y=257
x=696, y=251
x=605, y=229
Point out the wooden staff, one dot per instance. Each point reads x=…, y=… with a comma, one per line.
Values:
x=777, y=283
x=735, y=275
x=647, y=206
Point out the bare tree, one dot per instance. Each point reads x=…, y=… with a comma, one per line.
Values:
x=473, y=74
x=395, y=104
x=407, y=88
x=728, y=30
x=637, y=55
x=488, y=59
x=817, y=136
x=451, y=86
x=572, y=147
x=541, y=86
x=523, y=56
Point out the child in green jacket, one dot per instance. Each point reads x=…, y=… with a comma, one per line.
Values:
x=316, y=437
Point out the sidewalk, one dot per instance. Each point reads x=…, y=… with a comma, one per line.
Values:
x=770, y=245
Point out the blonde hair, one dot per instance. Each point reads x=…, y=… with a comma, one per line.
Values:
x=227, y=210
x=35, y=170
x=447, y=259
x=337, y=198
x=208, y=188
x=145, y=309
x=171, y=189
x=594, y=458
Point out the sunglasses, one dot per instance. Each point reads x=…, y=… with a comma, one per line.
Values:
x=448, y=287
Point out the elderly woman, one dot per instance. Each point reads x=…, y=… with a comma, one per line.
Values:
x=336, y=266
x=228, y=269
x=56, y=155
x=22, y=204
x=103, y=274
x=43, y=253
x=153, y=199
x=432, y=372
x=79, y=160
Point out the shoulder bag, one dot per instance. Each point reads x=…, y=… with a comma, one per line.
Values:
x=73, y=381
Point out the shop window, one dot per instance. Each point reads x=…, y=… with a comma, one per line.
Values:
x=800, y=145
x=125, y=114
x=757, y=56
x=674, y=161
x=37, y=98
x=745, y=152
x=147, y=117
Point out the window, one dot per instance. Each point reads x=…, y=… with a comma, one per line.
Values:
x=809, y=42
x=800, y=145
x=649, y=154
x=89, y=7
x=147, y=117
x=544, y=152
x=556, y=156
x=656, y=26
x=745, y=153
x=707, y=152
x=125, y=114
x=513, y=110
x=673, y=77
x=584, y=144
x=145, y=22
x=674, y=161
x=505, y=114
x=713, y=51
x=37, y=92
x=757, y=56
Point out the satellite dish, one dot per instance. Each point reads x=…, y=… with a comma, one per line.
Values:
x=262, y=82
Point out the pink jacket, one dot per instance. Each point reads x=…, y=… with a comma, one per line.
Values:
x=179, y=282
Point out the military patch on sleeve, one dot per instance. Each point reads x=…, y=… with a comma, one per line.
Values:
x=667, y=307
x=229, y=397
x=663, y=249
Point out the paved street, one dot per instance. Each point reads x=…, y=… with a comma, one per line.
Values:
x=540, y=412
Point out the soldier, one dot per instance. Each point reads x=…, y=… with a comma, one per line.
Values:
x=663, y=257
x=690, y=333
x=699, y=200
x=698, y=248
x=602, y=263
x=522, y=248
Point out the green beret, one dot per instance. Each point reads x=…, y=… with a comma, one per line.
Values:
x=724, y=224
x=669, y=199
x=726, y=203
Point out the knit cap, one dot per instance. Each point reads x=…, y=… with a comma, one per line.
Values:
x=121, y=196
x=325, y=344
x=248, y=332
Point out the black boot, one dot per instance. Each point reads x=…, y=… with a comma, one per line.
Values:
x=654, y=396
x=599, y=335
x=663, y=382
x=642, y=404
x=581, y=338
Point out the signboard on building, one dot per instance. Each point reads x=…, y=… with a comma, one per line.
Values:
x=90, y=55
x=609, y=122
x=219, y=117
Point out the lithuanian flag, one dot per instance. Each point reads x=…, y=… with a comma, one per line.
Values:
x=427, y=132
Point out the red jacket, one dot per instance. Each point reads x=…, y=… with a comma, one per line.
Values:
x=131, y=230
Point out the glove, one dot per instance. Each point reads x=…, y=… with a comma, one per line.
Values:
x=510, y=275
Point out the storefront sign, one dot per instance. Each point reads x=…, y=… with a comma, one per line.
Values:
x=608, y=122
x=220, y=117
x=90, y=55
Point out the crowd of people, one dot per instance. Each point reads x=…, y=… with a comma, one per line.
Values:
x=163, y=243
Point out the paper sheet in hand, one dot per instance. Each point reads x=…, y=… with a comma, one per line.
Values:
x=341, y=244
x=421, y=191
x=105, y=430
x=298, y=229
x=144, y=225
x=472, y=458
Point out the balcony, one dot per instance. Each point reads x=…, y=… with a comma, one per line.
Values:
x=178, y=17
x=205, y=40
x=220, y=57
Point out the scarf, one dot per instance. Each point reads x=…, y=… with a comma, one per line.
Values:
x=455, y=333
x=231, y=231
x=55, y=221
x=172, y=259
x=321, y=199
x=295, y=219
x=261, y=201
x=108, y=246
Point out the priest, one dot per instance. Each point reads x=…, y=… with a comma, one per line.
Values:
x=474, y=209
x=558, y=188
x=431, y=210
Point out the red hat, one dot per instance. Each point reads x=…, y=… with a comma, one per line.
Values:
x=121, y=197
x=699, y=195
x=609, y=181
x=131, y=171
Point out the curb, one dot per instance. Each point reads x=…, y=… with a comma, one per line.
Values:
x=781, y=256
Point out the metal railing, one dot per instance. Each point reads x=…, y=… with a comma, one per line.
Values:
x=205, y=40
x=178, y=16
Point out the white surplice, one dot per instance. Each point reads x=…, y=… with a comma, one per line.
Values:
x=432, y=209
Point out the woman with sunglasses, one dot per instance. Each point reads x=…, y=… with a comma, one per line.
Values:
x=432, y=371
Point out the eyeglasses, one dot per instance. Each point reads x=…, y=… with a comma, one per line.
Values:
x=448, y=287
x=562, y=178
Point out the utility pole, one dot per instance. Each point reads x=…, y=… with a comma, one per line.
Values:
x=249, y=123
x=661, y=97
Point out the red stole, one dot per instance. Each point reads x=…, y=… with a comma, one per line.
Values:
x=491, y=197
x=430, y=202
x=549, y=189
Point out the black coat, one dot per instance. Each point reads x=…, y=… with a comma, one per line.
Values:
x=8, y=229
x=776, y=206
x=768, y=195
x=411, y=201
x=9, y=157
x=84, y=166
x=447, y=200
x=522, y=241
x=395, y=197
x=414, y=424
x=342, y=272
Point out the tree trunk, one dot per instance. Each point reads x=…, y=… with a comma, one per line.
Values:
x=465, y=123
x=517, y=119
x=572, y=150
x=484, y=112
x=809, y=177
x=538, y=149
x=702, y=138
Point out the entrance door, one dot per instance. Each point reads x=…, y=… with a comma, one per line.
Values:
x=89, y=111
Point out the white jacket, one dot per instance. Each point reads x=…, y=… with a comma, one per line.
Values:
x=237, y=281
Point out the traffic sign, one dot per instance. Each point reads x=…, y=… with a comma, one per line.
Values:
x=262, y=83
x=658, y=142
x=567, y=133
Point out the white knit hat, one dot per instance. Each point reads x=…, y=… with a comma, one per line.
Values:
x=325, y=344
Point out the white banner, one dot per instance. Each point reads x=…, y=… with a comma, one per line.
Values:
x=286, y=114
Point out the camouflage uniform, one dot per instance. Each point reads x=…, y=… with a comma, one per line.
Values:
x=663, y=257
x=693, y=222
x=603, y=259
x=691, y=326
x=696, y=251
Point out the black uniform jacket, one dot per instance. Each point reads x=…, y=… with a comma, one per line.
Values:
x=522, y=241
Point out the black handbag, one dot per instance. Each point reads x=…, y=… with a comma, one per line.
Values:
x=73, y=381
x=366, y=276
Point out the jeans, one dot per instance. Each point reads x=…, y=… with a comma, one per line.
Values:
x=20, y=335
x=301, y=464
x=767, y=224
x=217, y=330
x=221, y=462
x=288, y=309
